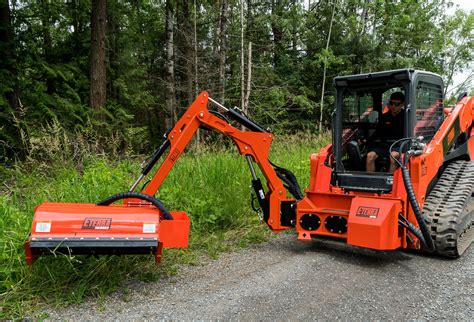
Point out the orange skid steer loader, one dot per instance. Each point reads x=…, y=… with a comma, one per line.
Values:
x=424, y=205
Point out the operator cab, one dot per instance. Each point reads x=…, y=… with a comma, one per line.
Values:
x=360, y=102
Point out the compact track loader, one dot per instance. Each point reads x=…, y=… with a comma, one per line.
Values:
x=424, y=205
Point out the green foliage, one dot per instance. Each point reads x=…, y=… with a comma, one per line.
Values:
x=457, y=54
x=48, y=65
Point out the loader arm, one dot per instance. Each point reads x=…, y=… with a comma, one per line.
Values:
x=254, y=145
x=142, y=224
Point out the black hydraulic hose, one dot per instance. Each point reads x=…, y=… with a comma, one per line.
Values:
x=400, y=150
x=245, y=121
x=412, y=228
x=219, y=115
x=292, y=187
x=427, y=240
x=136, y=195
x=289, y=179
x=423, y=234
x=156, y=156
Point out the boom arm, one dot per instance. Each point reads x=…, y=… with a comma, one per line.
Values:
x=254, y=145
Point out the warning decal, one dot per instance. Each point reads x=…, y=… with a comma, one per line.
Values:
x=149, y=228
x=43, y=227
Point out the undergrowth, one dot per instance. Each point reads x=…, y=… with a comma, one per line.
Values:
x=212, y=186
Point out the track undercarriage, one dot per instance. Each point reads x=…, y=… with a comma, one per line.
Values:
x=449, y=209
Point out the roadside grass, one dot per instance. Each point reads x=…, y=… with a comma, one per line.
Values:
x=213, y=187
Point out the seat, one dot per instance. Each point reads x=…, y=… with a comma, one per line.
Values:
x=355, y=157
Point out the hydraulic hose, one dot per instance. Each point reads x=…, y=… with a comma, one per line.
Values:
x=427, y=240
x=423, y=234
x=412, y=228
x=289, y=180
x=245, y=121
x=136, y=195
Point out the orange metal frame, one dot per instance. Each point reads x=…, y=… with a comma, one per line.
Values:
x=255, y=144
x=136, y=226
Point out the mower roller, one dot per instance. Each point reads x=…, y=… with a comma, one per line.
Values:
x=426, y=204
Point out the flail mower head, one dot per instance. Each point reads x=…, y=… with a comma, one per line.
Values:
x=136, y=227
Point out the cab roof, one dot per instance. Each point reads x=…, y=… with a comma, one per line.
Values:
x=390, y=76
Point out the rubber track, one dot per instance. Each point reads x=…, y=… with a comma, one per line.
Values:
x=448, y=210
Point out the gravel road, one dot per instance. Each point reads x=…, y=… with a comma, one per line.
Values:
x=289, y=279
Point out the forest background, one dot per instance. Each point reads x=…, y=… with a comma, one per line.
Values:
x=112, y=76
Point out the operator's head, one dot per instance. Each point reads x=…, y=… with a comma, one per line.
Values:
x=396, y=102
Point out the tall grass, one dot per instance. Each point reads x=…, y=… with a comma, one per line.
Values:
x=212, y=186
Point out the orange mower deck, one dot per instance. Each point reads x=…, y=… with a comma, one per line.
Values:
x=73, y=228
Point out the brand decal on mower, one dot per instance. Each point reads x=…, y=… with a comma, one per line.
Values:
x=368, y=212
x=97, y=223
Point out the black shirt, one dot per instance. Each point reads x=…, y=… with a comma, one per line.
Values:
x=389, y=127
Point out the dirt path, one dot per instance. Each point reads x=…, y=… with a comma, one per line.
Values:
x=289, y=279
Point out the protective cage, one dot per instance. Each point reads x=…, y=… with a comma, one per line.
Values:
x=73, y=228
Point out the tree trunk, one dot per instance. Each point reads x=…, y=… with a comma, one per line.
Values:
x=98, y=65
x=249, y=79
x=112, y=53
x=196, y=83
x=242, y=58
x=170, y=79
x=188, y=49
x=250, y=21
x=13, y=145
x=277, y=12
x=222, y=49
x=321, y=105
x=47, y=45
x=362, y=31
x=294, y=33
x=7, y=62
x=79, y=24
x=364, y=17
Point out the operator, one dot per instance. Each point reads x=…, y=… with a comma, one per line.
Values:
x=389, y=128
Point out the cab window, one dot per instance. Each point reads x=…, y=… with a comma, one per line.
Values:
x=429, y=110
